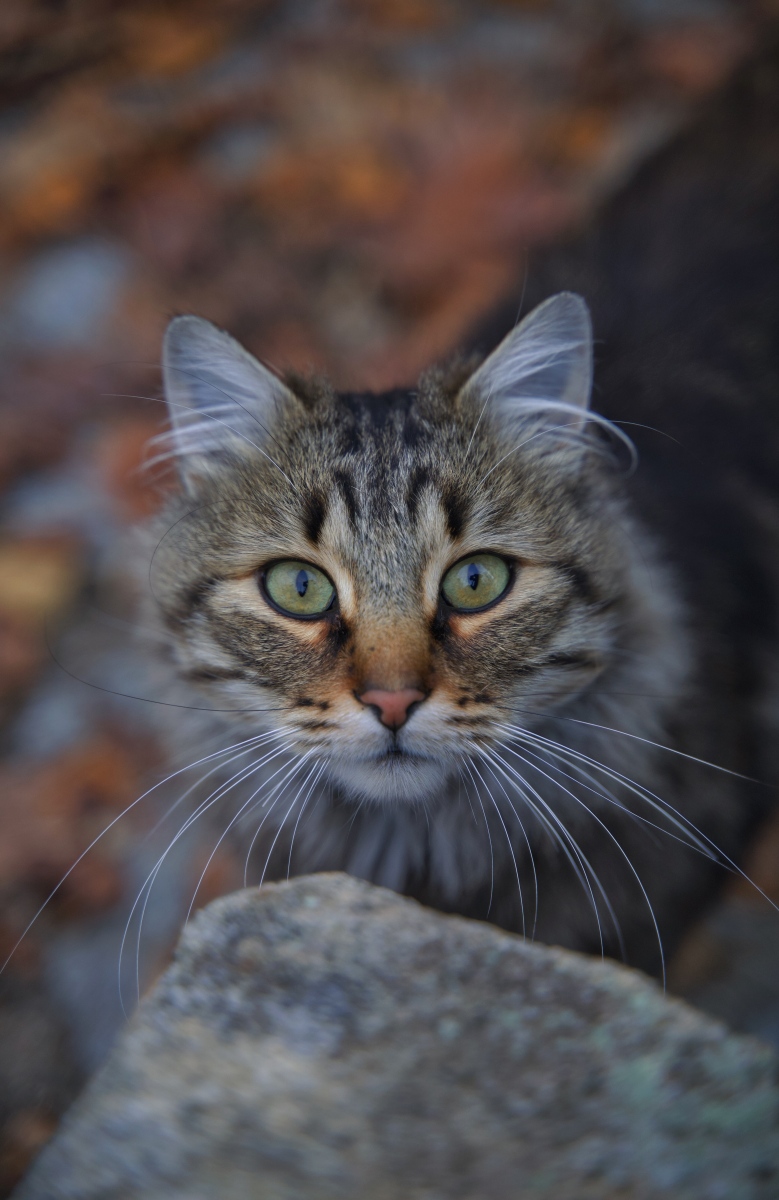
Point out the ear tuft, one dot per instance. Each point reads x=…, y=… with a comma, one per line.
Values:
x=221, y=400
x=543, y=367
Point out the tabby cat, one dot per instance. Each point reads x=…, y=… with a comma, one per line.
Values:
x=456, y=640
x=419, y=616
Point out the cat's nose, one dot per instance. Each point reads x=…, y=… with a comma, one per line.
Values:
x=393, y=706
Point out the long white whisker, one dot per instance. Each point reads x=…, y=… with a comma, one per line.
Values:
x=554, y=834
x=510, y=846
x=696, y=836
x=603, y=793
x=303, y=808
x=584, y=859
x=289, y=810
x=702, y=762
x=279, y=787
x=621, y=849
x=216, y=795
x=489, y=836
x=241, y=811
x=220, y=766
x=524, y=787
x=297, y=822
x=96, y=839
x=519, y=821
x=467, y=795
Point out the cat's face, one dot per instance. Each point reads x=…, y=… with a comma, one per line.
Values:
x=390, y=580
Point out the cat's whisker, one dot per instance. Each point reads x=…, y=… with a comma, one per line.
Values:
x=603, y=793
x=99, y=687
x=277, y=791
x=621, y=849
x=692, y=835
x=489, y=835
x=115, y=820
x=254, y=743
x=482, y=411
x=510, y=846
x=702, y=762
x=303, y=808
x=581, y=418
x=312, y=770
x=524, y=787
x=297, y=822
x=467, y=794
x=233, y=821
x=694, y=838
x=521, y=824
x=145, y=892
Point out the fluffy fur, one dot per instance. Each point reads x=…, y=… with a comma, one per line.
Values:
x=554, y=778
x=537, y=785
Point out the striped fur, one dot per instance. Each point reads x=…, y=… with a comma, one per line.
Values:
x=384, y=493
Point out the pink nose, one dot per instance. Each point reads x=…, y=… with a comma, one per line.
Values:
x=393, y=706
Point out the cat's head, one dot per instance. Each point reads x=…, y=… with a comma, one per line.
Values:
x=390, y=579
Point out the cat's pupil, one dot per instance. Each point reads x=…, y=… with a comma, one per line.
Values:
x=301, y=582
x=474, y=575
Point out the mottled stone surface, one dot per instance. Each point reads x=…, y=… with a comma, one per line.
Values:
x=324, y=1038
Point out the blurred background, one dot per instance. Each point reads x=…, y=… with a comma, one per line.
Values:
x=347, y=186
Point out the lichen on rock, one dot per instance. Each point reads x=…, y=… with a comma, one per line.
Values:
x=326, y=1038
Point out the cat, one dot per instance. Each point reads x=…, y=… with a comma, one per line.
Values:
x=460, y=640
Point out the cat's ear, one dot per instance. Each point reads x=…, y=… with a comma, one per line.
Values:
x=221, y=400
x=542, y=371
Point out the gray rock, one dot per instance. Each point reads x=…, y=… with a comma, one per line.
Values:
x=325, y=1038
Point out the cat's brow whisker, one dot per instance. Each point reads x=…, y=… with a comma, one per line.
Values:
x=229, y=396
x=478, y=422
x=184, y=517
x=556, y=430
x=147, y=699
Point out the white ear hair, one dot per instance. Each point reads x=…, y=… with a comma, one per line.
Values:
x=542, y=369
x=221, y=400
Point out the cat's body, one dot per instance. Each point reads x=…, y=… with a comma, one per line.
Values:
x=631, y=623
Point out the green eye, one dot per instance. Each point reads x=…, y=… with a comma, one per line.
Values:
x=299, y=589
x=475, y=582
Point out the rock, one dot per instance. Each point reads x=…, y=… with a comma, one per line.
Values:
x=325, y=1038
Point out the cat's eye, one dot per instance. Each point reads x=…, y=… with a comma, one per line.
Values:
x=298, y=589
x=475, y=582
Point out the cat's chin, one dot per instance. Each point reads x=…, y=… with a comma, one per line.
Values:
x=389, y=778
